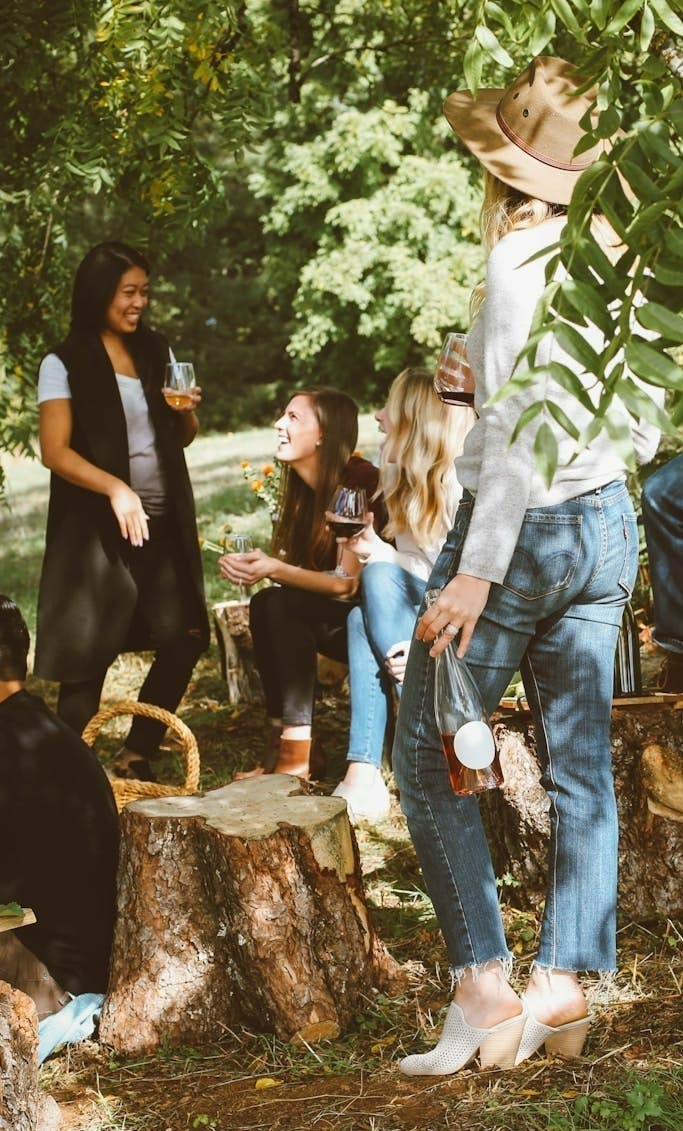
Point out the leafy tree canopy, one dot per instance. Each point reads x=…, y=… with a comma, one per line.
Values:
x=285, y=164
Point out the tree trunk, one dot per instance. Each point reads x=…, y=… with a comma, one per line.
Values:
x=231, y=622
x=647, y=757
x=23, y=1107
x=244, y=907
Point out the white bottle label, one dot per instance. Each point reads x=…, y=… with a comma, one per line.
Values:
x=474, y=745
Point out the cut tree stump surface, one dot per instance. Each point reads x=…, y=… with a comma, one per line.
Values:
x=243, y=907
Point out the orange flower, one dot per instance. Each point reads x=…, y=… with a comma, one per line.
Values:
x=268, y=469
x=257, y=485
x=244, y=463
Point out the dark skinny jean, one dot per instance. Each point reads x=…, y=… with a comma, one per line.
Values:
x=168, y=616
x=289, y=627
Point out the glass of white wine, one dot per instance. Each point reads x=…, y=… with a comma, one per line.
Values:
x=242, y=544
x=180, y=379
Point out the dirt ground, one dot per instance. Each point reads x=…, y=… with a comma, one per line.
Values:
x=630, y=1077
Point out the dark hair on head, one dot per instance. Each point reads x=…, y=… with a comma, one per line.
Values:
x=96, y=280
x=301, y=535
x=14, y=641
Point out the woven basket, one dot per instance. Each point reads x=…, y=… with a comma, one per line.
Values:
x=129, y=789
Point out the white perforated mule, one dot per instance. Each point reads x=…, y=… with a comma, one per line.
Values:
x=460, y=1042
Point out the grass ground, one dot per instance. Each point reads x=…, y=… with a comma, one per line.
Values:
x=631, y=1077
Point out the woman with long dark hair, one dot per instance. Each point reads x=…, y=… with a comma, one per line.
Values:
x=305, y=611
x=122, y=569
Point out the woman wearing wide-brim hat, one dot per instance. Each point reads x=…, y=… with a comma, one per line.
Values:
x=533, y=578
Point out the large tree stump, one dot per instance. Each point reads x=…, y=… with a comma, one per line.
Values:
x=23, y=1106
x=244, y=907
x=647, y=757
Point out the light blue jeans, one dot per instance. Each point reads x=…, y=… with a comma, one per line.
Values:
x=390, y=598
x=556, y=618
x=663, y=519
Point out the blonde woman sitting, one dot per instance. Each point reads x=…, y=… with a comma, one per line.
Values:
x=422, y=437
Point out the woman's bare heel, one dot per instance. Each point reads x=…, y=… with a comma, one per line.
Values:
x=569, y=1039
x=500, y=1049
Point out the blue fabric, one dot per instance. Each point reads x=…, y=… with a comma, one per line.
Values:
x=556, y=617
x=663, y=519
x=75, y=1022
x=390, y=598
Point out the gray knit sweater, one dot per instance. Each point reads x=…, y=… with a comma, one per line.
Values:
x=503, y=477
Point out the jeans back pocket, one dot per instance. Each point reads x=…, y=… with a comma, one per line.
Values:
x=546, y=555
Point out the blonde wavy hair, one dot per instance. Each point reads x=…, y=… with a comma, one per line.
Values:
x=416, y=466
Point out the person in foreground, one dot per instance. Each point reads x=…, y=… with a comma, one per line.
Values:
x=122, y=568
x=305, y=611
x=533, y=578
x=59, y=835
x=663, y=520
x=417, y=479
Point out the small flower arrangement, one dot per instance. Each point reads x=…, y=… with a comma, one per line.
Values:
x=265, y=484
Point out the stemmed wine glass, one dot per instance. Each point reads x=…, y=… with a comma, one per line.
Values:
x=453, y=378
x=242, y=544
x=346, y=518
x=179, y=380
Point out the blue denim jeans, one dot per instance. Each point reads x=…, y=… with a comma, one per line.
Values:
x=663, y=519
x=390, y=598
x=556, y=617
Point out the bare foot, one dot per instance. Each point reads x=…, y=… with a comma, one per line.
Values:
x=555, y=996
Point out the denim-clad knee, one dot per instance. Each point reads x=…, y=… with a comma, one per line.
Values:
x=557, y=613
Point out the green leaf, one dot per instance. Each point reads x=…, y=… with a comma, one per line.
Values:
x=668, y=272
x=645, y=221
x=530, y=413
x=542, y=33
x=11, y=910
x=667, y=16
x=472, y=66
x=562, y=419
x=623, y=15
x=621, y=435
x=641, y=406
x=567, y=379
x=645, y=189
x=589, y=302
x=563, y=11
x=574, y=343
x=512, y=387
x=655, y=148
x=653, y=367
x=491, y=44
x=647, y=28
x=654, y=316
x=545, y=452
x=608, y=122
x=599, y=10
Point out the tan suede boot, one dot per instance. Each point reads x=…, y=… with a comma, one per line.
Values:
x=294, y=757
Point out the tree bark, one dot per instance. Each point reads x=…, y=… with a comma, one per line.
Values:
x=647, y=758
x=23, y=1106
x=231, y=622
x=244, y=907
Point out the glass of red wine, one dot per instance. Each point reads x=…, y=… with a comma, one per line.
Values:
x=345, y=517
x=453, y=378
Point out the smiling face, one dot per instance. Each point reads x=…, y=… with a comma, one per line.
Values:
x=131, y=297
x=298, y=433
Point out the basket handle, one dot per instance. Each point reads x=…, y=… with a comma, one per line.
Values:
x=150, y=711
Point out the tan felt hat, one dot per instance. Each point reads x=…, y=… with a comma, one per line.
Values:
x=526, y=135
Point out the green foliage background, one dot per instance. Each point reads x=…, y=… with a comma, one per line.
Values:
x=308, y=214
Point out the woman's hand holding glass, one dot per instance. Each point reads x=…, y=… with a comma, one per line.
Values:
x=247, y=568
x=457, y=610
x=365, y=542
x=181, y=391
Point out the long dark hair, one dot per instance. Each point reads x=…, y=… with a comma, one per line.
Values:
x=301, y=536
x=96, y=280
x=14, y=641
